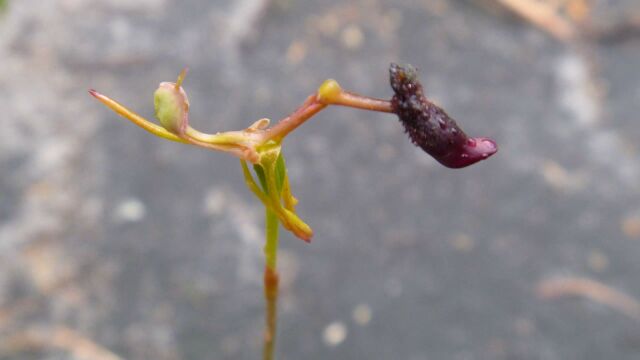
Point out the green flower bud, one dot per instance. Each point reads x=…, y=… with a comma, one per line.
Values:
x=172, y=106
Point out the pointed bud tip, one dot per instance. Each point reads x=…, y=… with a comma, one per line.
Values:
x=102, y=98
x=329, y=91
x=304, y=233
x=181, y=77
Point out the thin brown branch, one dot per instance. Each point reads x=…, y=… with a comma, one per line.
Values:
x=60, y=338
x=314, y=104
x=574, y=22
x=558, y=287
x=544, y=16
x=620, y=30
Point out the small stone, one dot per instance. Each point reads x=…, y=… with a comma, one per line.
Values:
x=215, y=202
x=334, y=334
x=352, y=37
x=560, y=178
x=362, y=314
x=296, y=52
x=463, y=242
x=130, y=210
x=327, y=25
x=598, y=261
x=631, y=226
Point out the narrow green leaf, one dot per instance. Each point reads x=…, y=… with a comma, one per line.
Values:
x=261, y=177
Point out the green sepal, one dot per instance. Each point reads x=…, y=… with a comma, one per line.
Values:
x=281, y=172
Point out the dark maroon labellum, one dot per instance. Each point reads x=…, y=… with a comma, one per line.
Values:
x=429, y=127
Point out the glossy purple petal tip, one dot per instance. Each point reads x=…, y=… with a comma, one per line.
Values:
x=475, y=150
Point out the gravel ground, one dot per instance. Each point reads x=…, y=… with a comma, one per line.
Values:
x=117, y=242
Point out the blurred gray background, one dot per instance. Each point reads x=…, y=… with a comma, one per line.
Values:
x=117, y=244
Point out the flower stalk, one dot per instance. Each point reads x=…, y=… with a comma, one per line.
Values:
x=271, y=284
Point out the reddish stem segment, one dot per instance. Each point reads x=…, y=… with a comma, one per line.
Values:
x=308, y=109
x=271, y=280
x=312, y=106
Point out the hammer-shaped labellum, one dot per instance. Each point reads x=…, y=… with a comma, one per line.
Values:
x=429, y=126
x=172, y=105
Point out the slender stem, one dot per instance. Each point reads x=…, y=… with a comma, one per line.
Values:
x=271, y=245
x=271, y=280
x=313, y=105
x=135, y=118
x=309, y=108
x=353, y=100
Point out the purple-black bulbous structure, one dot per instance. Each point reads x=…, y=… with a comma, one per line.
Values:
x=429, y=126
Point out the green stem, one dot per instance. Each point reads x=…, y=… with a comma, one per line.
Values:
x=271, y=280
x=271, y=245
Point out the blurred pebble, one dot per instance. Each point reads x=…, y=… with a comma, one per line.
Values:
x=598, y=261
x=130, y=210
x=463, y=242
x=215, y=201
x=327, y=25
x=334, y=334
x=631, y=226
x=296, y=52
x=560, y=178
x=362, y=314
x=352, y=37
